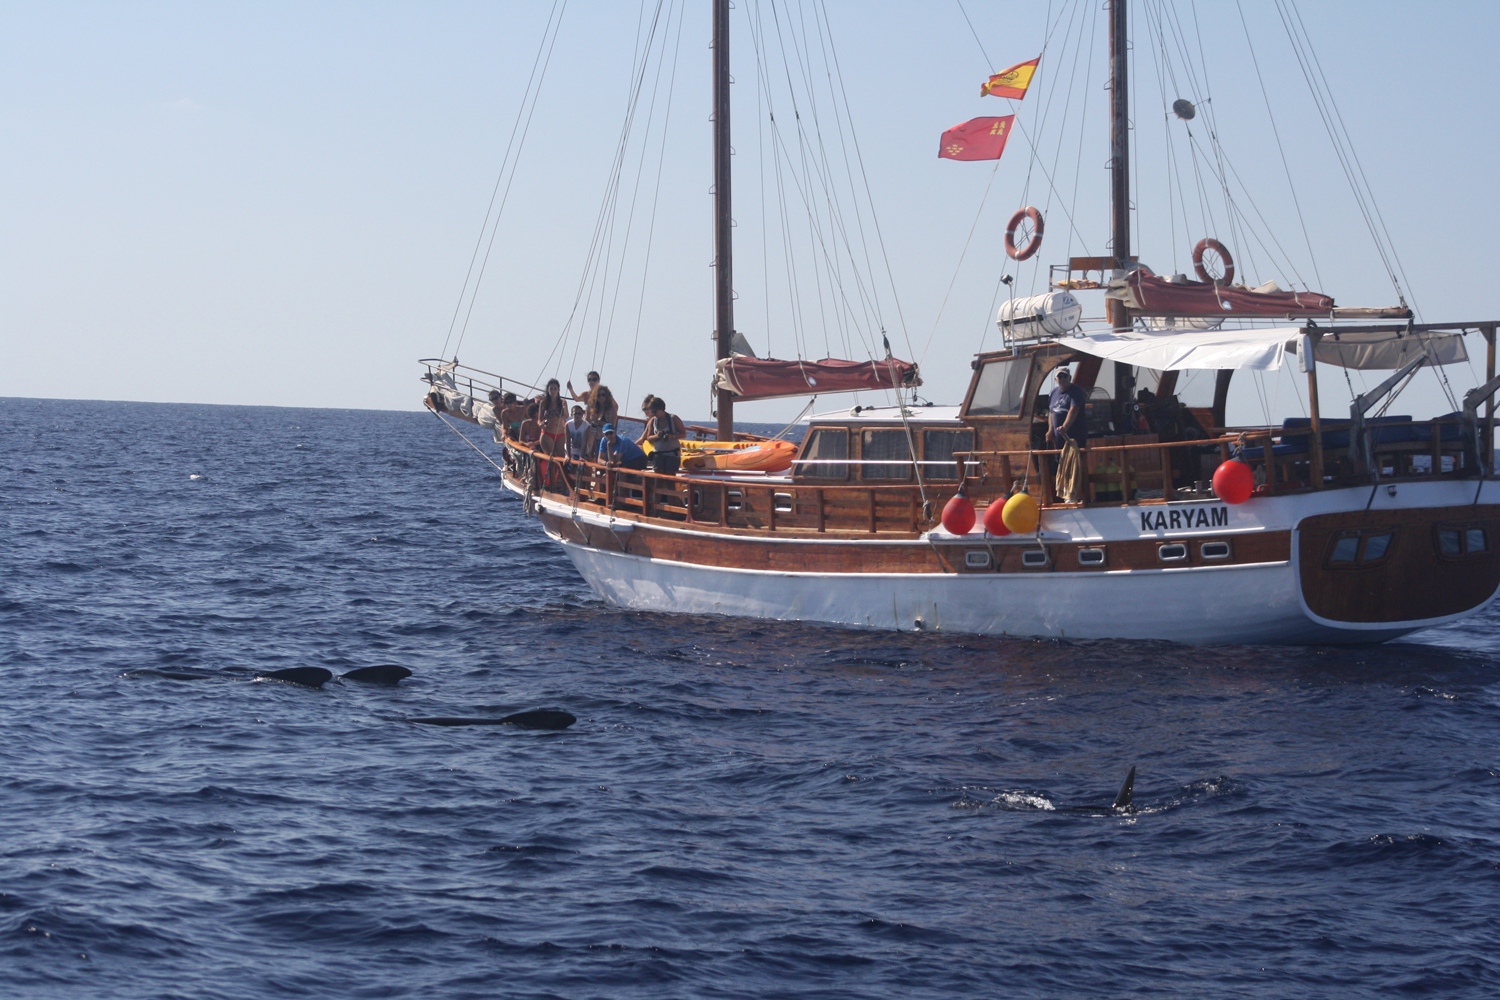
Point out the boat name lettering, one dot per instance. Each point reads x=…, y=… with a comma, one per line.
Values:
x=1174, y=520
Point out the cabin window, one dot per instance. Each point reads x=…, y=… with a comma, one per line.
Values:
x=1345, y=549
x=885, y=455
x=1001, y=388
x=1176, y=552
x=976, y=559
x=734, y=500
x=1376, y=547
x=1456, y=541
x=938, y=447
x=1091, y=557
x=1215, y=550
x=781, y=502
x=826, y=453
x=1351, y=548
x=1034, y=557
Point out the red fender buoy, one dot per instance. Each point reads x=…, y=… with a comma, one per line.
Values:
x=958, y=515
x=1233, y=481
x=1032, y=245
x=1209, y=243
x=994, y=518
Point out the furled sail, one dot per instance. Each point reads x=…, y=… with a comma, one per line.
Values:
x=1150, y=295
x=768, y=378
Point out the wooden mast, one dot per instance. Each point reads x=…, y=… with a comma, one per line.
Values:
x=723, y=221
x=1119, y=153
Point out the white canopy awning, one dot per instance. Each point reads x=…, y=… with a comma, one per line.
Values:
x=1265, y=349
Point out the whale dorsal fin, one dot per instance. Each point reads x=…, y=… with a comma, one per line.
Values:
x=1127, y=791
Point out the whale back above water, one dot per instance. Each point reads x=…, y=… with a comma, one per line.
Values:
x=388, y=674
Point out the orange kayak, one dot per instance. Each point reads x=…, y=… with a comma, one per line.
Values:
x=767, y=456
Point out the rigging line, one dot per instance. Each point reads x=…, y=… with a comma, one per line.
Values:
x=511, y=143
x=826, y=38
x=760, y=176
x=1158, y=55
x=816, y=234
x=970, y=23
x=801, y=136
x=1212, y=124
x=1281, y=149
x=602, y=354
x=788, y=249
x=959, y=267
x=603, y=325
x=837, y=226
x=603, y=224
x=1088, y=83
x=870, y=199
x=656, y=194
x=1354, y=155
x=481, y=452
x=1269, y=228
x=1339, y=152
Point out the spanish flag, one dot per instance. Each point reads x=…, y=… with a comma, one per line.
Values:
x=1012, y=83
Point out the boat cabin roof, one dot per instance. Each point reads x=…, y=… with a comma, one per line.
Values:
x=864, y=416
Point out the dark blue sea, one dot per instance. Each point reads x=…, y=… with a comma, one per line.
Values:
x=741, y=810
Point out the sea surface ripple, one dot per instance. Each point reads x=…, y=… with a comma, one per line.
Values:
x=743, y=809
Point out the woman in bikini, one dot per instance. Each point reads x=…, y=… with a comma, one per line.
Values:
x=552, y=411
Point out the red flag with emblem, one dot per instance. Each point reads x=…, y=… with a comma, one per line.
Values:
x=976, y=139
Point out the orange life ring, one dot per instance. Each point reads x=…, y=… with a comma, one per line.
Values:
x=1209, y=243
x=1032, y=245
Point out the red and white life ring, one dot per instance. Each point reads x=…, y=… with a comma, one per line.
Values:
x=1032, y=245
x=1209, y=243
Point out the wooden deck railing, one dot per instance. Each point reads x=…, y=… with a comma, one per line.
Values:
x=1118, y=474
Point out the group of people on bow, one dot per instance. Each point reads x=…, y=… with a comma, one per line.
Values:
x=544, y=423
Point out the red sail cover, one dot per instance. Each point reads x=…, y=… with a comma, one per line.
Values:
x=767, y=378
x=1153, y=296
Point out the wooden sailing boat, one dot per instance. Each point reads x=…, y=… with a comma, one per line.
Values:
x=1358, y=529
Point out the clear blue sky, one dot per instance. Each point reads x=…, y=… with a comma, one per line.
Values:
x=275, y=203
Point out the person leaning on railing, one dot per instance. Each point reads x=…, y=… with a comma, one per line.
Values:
x=615, y=450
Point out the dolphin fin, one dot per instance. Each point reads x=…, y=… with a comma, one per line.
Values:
x=1127, y=791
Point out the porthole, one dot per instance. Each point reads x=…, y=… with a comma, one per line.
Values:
x=1215, y=550
x=977, y=559
x=782, y=502
x=1176, y=552
x=1091, y=557
x=736, y=500
x=1033, y=557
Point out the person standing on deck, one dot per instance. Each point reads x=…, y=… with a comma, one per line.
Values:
x=579, y=433
x=665, y=432
x=1067, y=419
x=553, y=414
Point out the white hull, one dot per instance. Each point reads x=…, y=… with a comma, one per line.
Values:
x=1245, y=603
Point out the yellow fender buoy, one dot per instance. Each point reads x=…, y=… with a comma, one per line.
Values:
x=1021, y=514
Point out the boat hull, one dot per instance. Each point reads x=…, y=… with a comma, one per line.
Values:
x=1263, y=598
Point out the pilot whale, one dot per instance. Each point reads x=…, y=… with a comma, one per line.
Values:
x=540, y=718
x=1124, y=802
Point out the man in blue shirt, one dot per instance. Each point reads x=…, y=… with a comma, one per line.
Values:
x=1067, y=420
x=615, y=450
